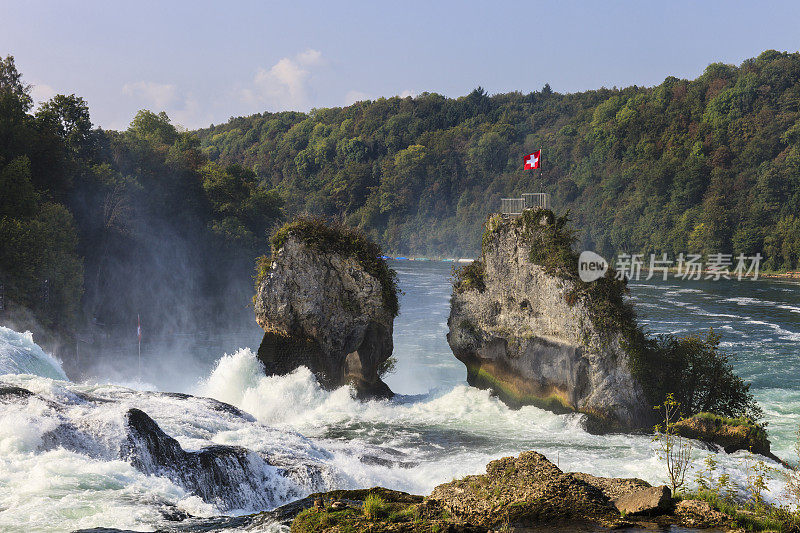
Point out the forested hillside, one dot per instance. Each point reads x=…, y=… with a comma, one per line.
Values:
x=101, y=225
x=707, y=165
x=97, y=227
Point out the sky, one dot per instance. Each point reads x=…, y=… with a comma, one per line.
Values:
x=204, y=62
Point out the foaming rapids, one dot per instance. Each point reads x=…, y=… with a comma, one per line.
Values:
x=20, y=355
x=101, y=455
x=413, y=443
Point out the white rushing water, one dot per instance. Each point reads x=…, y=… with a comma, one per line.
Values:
x=20, y=355
x=64, y=464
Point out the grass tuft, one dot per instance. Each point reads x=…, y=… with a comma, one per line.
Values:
x=374, y=507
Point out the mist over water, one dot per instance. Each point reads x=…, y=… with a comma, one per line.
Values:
x=435, y=429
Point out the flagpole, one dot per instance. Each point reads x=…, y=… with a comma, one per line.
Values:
x=541, y=166
x=139, y=334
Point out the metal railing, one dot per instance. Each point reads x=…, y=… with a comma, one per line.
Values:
x=534, y=200
x=515, y=206
x=512, y=206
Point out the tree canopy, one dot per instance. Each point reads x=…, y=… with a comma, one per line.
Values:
x=710, y=165
x=100, y=223
x=98, y=226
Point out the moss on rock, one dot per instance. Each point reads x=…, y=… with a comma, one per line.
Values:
x=732, y=434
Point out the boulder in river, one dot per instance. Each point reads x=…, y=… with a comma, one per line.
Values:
x=326, y=300
x=530, y=330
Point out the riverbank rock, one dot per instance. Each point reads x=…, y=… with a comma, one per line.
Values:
x=528, y=329
x=651, y=500
x=700, y=514
x=731, y=434
x=377, y=510
x=327, y=301
x=613, y=487
x=521, y=491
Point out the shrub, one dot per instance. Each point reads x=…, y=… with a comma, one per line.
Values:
x=698, y=373
x=470, y=276
x=674, y=450
x=388, y=366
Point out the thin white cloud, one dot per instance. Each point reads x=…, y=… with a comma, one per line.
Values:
x=157, y=95
x=285, y=85
x=190, y=114
x=310, y=58
x=408, y=92
x=41, y=92
x=355, y=96
x=184, y=110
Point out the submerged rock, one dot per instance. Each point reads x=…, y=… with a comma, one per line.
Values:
x=327, y=302
x=535, y=334
x=107, y=428
x=231, y=477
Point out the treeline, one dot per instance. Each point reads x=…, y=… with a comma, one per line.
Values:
x=701, y=166
x=99, y=226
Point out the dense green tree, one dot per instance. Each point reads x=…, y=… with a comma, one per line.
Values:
x=101, y=225
x=244, y=210
x=705, y=165
x=39, y=264
x=697, y=373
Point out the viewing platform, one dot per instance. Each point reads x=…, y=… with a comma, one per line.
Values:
x=515, y=206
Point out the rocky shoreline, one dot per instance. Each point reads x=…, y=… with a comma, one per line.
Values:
x=524, y=493
x=515, y=494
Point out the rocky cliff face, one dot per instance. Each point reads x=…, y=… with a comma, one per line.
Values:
x=530, y=335
x=323, y=310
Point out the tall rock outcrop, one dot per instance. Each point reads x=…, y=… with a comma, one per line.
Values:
x=327, y=301
x=526, y=327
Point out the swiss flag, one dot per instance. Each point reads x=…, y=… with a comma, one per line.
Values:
x=532, y=160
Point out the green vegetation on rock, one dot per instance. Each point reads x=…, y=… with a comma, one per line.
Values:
x=732, y=434
x=747, y=509
x=469, y=276
x=378, y=510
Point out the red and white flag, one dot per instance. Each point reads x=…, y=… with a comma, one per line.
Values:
x=532, y=160
x=138, y=328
